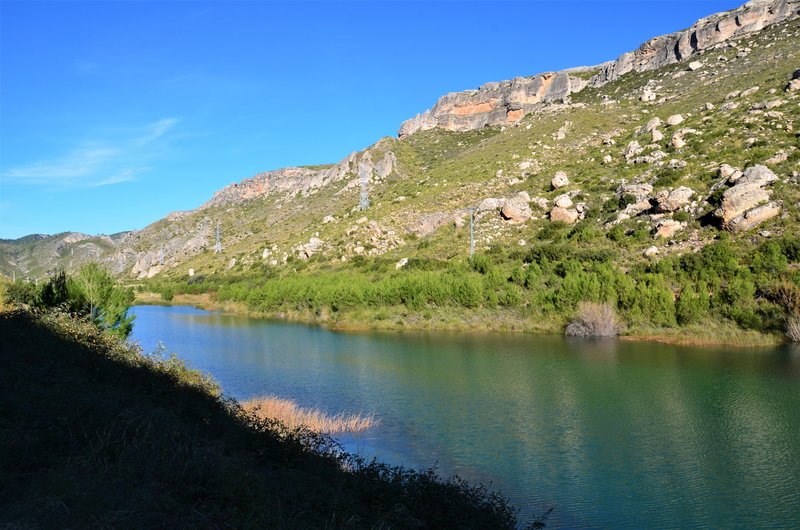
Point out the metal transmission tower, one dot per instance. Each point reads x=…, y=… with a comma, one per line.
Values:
x=363, y=173
x=161, y=255
x=218, y=245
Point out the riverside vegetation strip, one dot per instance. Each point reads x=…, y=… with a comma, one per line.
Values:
x=610, y=195
x=93, y=433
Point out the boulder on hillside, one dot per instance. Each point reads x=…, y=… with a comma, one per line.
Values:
x=564, y=215
x=675, y=119
x=667, y=228
x=670, y=201
x=657, y=136
x=559, y=180
x=516, y=209
x=695, y=65
x=632, y=149
x=754, y=217
x=490, y=203
x=563, y=201
x=650, y=125
x=794, y=84
x=639, y=191
x=747, y=194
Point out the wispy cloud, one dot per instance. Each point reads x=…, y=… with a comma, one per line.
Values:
x=98, y=163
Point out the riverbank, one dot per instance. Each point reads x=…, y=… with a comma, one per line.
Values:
x=97, y=434
x=393, y=318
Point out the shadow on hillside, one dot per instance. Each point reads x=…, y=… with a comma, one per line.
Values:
x=89, y=441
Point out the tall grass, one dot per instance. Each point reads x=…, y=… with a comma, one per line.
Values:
x=315, y=419
x=793, y=328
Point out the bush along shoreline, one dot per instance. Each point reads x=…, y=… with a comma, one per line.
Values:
x=94, y=433
x=723, y=294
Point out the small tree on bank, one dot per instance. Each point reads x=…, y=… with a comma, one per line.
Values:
x=106, y=303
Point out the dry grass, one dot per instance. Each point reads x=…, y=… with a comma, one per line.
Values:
x=594, y=320
x=287, y=411
x=793, y=328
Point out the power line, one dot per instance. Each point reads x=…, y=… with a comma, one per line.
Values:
x=218, y=245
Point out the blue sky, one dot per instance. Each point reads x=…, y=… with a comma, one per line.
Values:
x=113, y=114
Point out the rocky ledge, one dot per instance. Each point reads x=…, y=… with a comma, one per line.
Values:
x=507, y=102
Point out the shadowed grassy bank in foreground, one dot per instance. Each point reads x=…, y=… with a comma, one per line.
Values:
x=95, y=434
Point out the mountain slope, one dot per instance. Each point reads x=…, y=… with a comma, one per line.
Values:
x=622, y=176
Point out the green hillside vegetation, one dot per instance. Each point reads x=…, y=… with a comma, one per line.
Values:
x=96, y=434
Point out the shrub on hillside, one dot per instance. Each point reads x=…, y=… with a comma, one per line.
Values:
x=594, y=320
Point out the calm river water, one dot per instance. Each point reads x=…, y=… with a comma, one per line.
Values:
x=609, y=434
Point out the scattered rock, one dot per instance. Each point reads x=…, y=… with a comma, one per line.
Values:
x=632, y=150
x=777, y=158
x=725, y=171
x=328, y=219
x=565, y=215
x=730, y=105
x=670, y=201
x=563, y=201
x=516, y=209
x=708, y=106
x=650, y=126
x=651, y=251
x=749, y=92
x=490, y=203
x=675, y=119
x=657, y=136
x=648, y=95
x=400, y=264
x=695, y=65
x=667, y=228
x=607, y=159
x=559, y=180
x=639, y=191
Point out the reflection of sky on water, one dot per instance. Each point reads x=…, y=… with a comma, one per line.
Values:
x=610, y=433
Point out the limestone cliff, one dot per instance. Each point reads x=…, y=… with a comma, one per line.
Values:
x=704, y=34
x=506, y=102
x=500, y=103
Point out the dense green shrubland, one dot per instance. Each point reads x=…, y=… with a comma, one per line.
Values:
x=755, y=288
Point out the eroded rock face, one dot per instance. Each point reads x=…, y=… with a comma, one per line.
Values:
x=499, y=103
x=704, y=34
x=294, y=181
x=506, y=102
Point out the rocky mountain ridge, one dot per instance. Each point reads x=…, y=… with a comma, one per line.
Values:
x=507, y=102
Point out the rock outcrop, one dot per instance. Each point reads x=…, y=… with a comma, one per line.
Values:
x=498, y=103
x=741, y=204
x=294, y=181
x=507, y=102
x=704, y=34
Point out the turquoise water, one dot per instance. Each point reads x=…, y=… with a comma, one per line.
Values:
x=609, y=434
